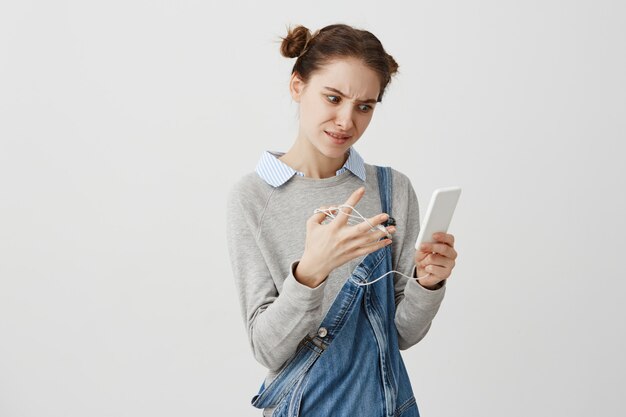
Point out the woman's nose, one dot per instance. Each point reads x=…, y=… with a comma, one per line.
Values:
x=344, y=118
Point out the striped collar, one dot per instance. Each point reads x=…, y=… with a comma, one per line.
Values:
x=275, y=172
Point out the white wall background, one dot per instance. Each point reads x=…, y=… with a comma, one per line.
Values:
x=124, y=123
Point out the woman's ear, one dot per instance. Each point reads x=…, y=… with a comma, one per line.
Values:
x=296, y=87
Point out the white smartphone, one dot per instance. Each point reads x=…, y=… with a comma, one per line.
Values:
x=439, y=214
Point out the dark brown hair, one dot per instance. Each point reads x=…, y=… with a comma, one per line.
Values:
x=337, y=41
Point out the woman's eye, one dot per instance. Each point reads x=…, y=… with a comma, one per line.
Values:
x=333, y=99
x=365, y=108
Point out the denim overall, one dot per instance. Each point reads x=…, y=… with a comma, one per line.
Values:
x=352, y=367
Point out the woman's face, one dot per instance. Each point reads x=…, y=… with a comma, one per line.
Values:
x=336, y=105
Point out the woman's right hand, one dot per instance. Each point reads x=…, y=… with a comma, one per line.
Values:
x=331, y=245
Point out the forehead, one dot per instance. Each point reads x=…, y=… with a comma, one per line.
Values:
x=349, y=75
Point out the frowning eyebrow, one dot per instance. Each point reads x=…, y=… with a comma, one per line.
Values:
x=371, y=100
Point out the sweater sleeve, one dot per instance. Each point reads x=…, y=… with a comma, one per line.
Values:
x=275, y=322
x=416, y=306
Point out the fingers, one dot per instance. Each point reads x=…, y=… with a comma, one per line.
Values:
x=372, y=247
x=445, y=248
x=437, y=266
x=440, y=248
x=444, y=238
x=342, y=219
x=438, y=271
x=375, y=221
x=420, y=256
x=436, y=260
x=372, y=237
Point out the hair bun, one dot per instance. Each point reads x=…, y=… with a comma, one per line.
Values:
x=393, y=65
x=294, y=43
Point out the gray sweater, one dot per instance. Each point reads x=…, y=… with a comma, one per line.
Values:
x=266, y=232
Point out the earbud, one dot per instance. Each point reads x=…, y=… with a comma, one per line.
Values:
x=382, y=229
x=390, y=222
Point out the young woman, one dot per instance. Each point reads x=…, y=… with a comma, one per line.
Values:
x=325, y=314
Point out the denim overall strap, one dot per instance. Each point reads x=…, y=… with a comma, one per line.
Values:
x=381, y=311
x=384, y=185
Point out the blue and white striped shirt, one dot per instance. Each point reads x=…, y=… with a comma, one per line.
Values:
x=275, y=172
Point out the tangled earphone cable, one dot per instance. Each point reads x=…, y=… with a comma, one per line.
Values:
x=330, y=213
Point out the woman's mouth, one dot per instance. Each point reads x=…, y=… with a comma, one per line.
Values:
x=337, y=138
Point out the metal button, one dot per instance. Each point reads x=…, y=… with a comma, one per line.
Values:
x=322, y=332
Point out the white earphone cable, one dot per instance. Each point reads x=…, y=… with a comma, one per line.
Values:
x=330, y=213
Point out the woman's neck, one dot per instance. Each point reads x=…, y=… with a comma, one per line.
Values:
x=306, y=158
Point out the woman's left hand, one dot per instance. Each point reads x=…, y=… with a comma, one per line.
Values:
x=437, y=259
